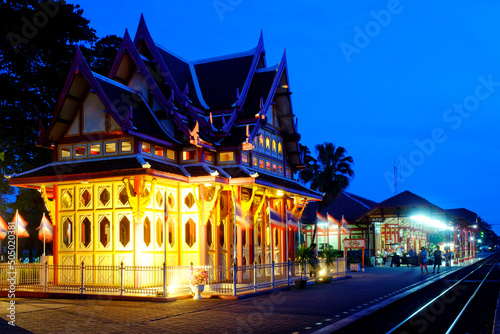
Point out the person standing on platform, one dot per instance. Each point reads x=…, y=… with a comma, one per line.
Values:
x=314, y=260
x=422, y=260
x=447, y=258
x=437, y=259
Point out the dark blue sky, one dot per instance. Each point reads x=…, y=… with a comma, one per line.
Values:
x=416, y=82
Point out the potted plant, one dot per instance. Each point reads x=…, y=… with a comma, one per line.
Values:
x=197, y=278
x=354, y=264
x=302, y=256
x=330, y=255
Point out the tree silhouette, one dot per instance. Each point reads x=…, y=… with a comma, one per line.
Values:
x=36, y=51
x=330, y=172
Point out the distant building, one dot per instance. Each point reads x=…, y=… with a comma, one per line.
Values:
x=397, y=224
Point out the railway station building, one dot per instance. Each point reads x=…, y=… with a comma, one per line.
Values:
x=400, y=223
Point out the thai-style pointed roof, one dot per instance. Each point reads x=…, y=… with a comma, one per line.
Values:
x=404, y=204
x=219, y=78
x=157, y=96
x=182, y=76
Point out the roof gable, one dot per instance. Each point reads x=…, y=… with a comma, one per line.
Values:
x=79, y=82
x=406, y=198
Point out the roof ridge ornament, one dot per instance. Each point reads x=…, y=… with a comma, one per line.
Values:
x=247, y=145
x=127, y=122
x=142, y=161
x=185, y=96
x=194, y=135
x=223, y=120
x=42, y=140
x=211, y=120
x=170, y=102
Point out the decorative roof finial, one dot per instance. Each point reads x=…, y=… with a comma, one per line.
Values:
x=127, y=122
x=185, y=96
x=170, y=101
x=194, y=136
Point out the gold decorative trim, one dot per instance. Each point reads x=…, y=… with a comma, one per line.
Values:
x=206, y=208
x=49, y=204
x=261, y=205
x=140, y=202
x=298, y=214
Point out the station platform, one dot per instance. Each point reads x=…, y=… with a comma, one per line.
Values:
x=319, y=308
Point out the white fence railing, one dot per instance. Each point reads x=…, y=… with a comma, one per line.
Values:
x=155, y=280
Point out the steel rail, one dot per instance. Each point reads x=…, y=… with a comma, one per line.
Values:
x=472, y=297
x=436, y=298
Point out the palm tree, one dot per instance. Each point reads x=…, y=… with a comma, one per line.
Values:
x=330, y=173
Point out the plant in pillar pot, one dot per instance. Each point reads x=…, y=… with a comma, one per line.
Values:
x=330, y=255
x=197, y=278
x=354, y=264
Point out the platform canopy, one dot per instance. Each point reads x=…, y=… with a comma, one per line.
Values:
x=407, y=210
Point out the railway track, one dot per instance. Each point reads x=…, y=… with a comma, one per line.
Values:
x=455, y=310
x=462, y=302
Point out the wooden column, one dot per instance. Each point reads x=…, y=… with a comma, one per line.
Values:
x=339, y=235
x=138, y=235
x=283, y=230
x=202, y=228
x=178, y=226
x=251, y=234
x=55, y=242
x=216, y=233
x=239, y=231
x=271, y=235
x=229, y=231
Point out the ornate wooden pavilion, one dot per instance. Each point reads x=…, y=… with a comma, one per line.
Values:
x=153, y=162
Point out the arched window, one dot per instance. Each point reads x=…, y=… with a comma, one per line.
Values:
x=159, y=232
x=171, y=232
x=209, y=233
x=190, y=232
x=221, y=234
x=67, y=231
x=147, y=231
x=105, y=232
x=124, y=228
x=85, y=232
